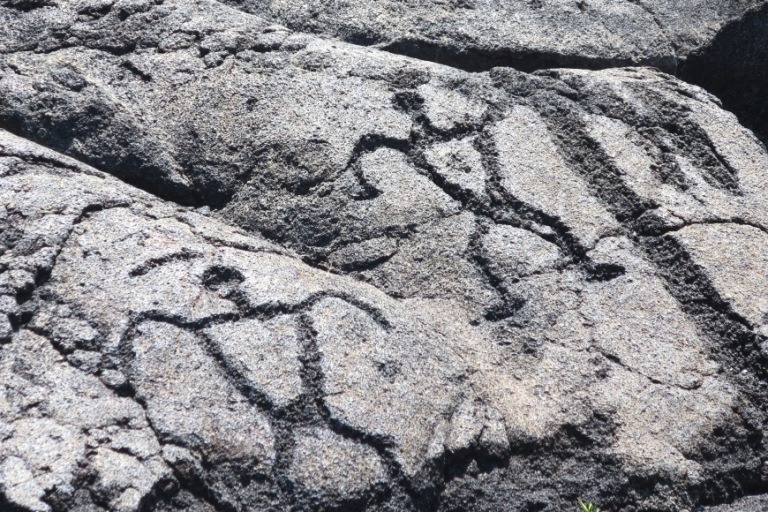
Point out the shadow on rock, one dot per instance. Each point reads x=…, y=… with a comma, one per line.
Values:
x=734, y=67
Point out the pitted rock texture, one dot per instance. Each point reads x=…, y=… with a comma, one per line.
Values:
x=360, y=281
x=524, y=34
x=748, y=504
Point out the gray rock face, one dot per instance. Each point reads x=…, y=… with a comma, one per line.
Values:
x=524, y=34
x=748, y=504
x=360, y=281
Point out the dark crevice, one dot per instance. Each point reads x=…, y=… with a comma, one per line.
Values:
x=28, y=5
x=604, y=271
x=130, y=66
x=652, y=229
x=618, y=362
x=132, y=168
x=467, y=57
x=734, y=67
x=476, y=59
x=240, y=246
x=153, y=263
x=361, y=266
x=52, y=163
x=7, y=506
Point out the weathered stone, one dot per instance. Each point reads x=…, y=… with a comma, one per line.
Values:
x=53, y=416
x=334, y=470
x=266, y=354
x=480, y=34
x=393, y=285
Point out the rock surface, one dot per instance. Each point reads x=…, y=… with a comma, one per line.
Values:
x=360, y=281
x=524, y=34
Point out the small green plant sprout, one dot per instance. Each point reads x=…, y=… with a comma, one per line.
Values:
x=588, y=507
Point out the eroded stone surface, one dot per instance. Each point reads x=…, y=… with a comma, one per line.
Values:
x=479, y=34
x=481, y=288
x=733, y=257
x=61, y=425
x=335, y=469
